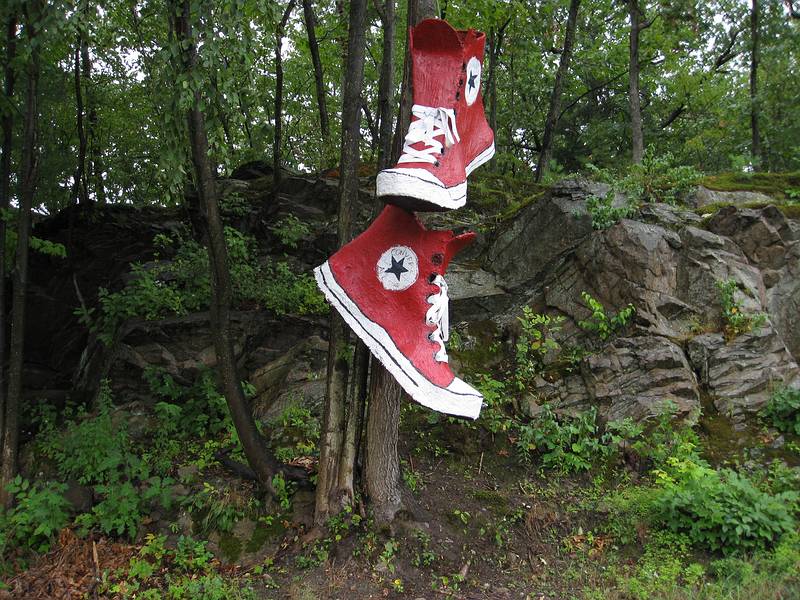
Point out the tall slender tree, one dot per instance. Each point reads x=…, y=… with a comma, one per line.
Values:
x=386, y=84
x=637, y=134
x=335, y=486
x=755, y=51
x=319, y=78
x=7, y=122
x=259, y=458
x=33, y=13
x=280, y=31
x=546, y=152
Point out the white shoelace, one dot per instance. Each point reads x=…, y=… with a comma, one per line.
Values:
x=438, y=314
x=431, y=122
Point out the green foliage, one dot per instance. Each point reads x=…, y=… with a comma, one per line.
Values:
x=736, y=321
x=722, y=510
x=783, y=410
x=290, y=230
x=294, y=433
x=603, y=212
x=600, y=322
x=183, y=573
x=38, y=513
x=182, y=285
x=214, y=508
x=494, y=415
x=657, y=179
x=96, y=450
x=536, y=345
x=568, y=444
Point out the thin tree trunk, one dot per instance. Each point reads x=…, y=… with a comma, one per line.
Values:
x=95, y=171
x=637, y=135
x=335, y=478
x=79, y=188
x=319, y=80
x=5, y=200
x=28, y=175
x=260, y=460
x=755, y=38
x=276, y=144
x=383, y=427
x=386, y=85
x=383, y=462
x=551, y=122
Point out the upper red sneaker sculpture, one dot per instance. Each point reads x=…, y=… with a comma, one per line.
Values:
x=388, y=285
x=448, y=137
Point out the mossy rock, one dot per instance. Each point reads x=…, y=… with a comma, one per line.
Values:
x=772, y=184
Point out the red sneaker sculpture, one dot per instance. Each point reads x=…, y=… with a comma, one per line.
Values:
x=448, y=137
x=388, y=285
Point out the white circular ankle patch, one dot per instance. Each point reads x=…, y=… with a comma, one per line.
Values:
x=473, y=83
x=397, y=268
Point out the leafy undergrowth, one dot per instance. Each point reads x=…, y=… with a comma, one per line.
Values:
x=587, y=511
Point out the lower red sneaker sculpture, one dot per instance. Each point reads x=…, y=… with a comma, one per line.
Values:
x=388, y=285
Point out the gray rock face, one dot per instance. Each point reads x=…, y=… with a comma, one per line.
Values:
x=741, y=374
x=631, y=377
x=542, y=231
x=667, y=263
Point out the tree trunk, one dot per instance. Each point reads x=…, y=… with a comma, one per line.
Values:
x=263, y=464
x=386, y=86
x=418, y=10
x=79, y=188
x=383, y=428
x=28, y=174
x=755, y=38
x=637, y=135
x=383, y=462
x=276, y=144
x=311, y=23
x=335, y=478
x=553, y=112
x=5, y=199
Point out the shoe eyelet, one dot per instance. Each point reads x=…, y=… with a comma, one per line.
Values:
x=436, y=164
x=436, y=259
x=458, y=95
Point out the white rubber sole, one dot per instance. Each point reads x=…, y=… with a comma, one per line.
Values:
x=424, y=186
x=458, y=398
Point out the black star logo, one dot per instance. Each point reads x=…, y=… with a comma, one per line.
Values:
x=471, y=82
x=397, y=267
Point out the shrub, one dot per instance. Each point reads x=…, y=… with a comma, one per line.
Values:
x=722, y=510
x=603, y=212
x=655, y=179
x=96, y=451
x=39, y=512
x=782, y=410
x=183, y=284
x=736, y=321
x=536, y=344
x=290, y=230
x=600, y=322
x=570, y=444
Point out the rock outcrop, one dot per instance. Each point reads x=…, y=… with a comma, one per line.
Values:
x=664, y=260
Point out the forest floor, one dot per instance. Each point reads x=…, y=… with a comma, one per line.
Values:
x=481, y=525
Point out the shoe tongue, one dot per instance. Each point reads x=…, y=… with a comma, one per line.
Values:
x=436, y=35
